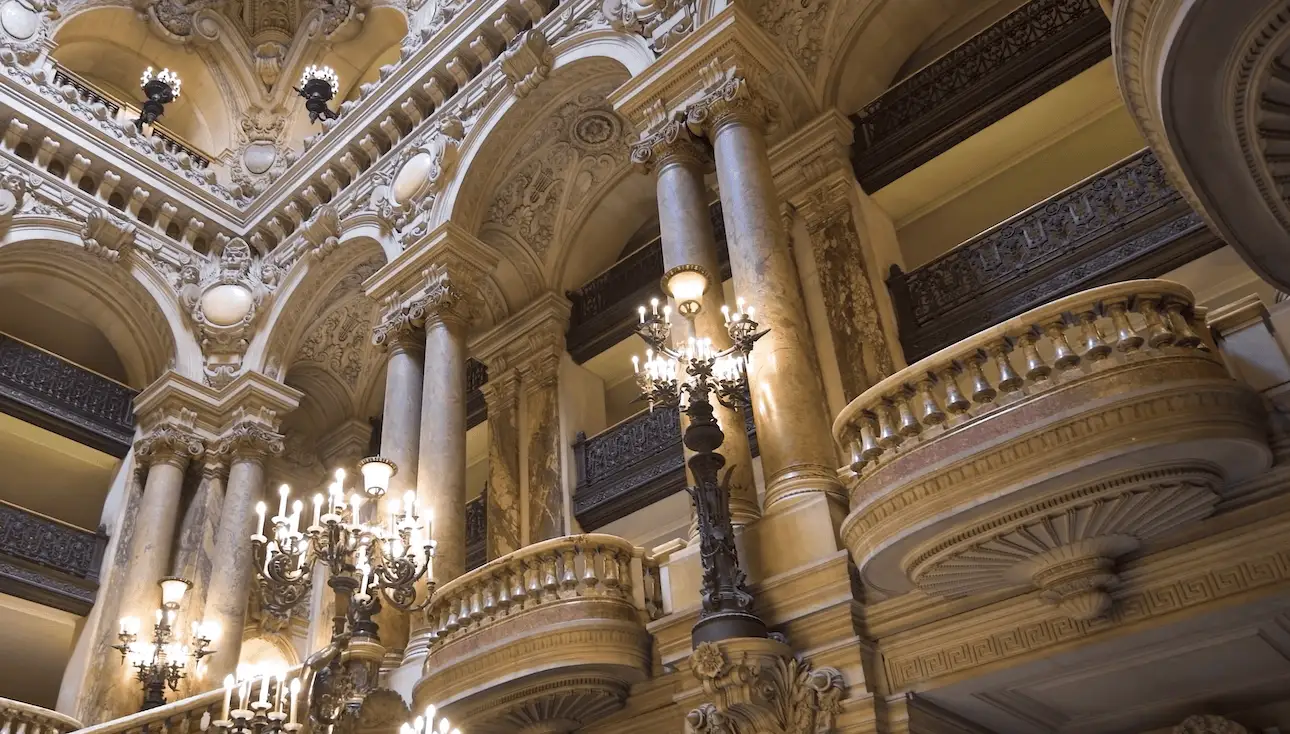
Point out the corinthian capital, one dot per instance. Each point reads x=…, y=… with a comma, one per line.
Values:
x=168, y=444
x=249, y=439
x=399, y=328
x=670, y=142
x=727, y=98
x=758, y=685
x=444, y=299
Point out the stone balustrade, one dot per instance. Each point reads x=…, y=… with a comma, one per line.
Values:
x=1038, y=451
x=558, y=626
x=17, y=717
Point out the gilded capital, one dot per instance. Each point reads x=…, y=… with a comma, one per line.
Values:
x=168, y=444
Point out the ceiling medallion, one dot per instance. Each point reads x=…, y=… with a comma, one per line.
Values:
x=597, y=129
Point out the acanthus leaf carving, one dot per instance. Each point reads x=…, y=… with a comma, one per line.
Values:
x=757, y=686
x=420, y=174
x=252, y=435
x=169, y=441
x=106, y=235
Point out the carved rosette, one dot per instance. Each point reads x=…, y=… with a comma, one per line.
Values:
x=728, y=98
x=106, y=235
x=756, y=686
x=168, y=444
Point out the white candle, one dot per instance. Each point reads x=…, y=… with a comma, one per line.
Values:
x=283, y=491
x=295, y=691
x=264, y=688
x=394, y=513
x=244, y=694
x=410, y=506
x=229, y=682
x=642, y=312
x=318, y=500
x=653, y=304
x=354, y=502
x=636, y=364
x=260, y=510
x=366, y=576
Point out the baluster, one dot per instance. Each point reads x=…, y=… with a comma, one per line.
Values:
x=453, y=624
x=982, y=392
x=589, y=578
x=477, y=602
x=550, y=578
x=1127, y=339
x=869, y=447
x=503, y=590
x=568, y=574
x=930, y=411
x=909, y=425
x=1186, y=336
x=855, y=450
x=519, y=592
x=611, y=568
x=888, y=438
x=534, y=574
x=625, y=572
x=1067, y=358
x=1036, y=368
x=463, y=613
x=1009, y=380
x=490, y=595
x=1095, y=349
x=1158, y=332
x=955, y=403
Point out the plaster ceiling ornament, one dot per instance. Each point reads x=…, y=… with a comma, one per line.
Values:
x=800, y=26
x=757, y=686
x=1209, y=725
x=24, y=29
x=420, y=174
x=263, y=152
x=106, y=235
x=527, y=61
x=223, y=296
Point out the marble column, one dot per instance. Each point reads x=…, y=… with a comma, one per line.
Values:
x=400, y=439
x=541, y=376
x=797, y=453
x=501, y=395
x=441, y=463
x=246, y=445
x=679, y=162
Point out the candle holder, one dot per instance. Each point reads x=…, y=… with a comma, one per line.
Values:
x=271, y=713
x=688, y=378
x=430, y=723
x=163, y=663
x=160, y=90
x=318, y=85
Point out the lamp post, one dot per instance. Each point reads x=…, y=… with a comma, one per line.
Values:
x=162, y=663
x=689, y=377
x=160, y=90
x=368, y=564
x=319, y=85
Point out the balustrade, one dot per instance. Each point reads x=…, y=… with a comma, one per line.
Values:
x=17, y=717
x=47, y=561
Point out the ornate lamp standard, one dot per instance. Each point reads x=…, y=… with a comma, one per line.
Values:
x=162, y=663
x=318, y=85
x=368, y=563
x=161, y=90
x=688, y=377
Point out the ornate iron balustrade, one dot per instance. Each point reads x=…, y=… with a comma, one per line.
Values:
x=1123, y=223
x=604, y=309
x=1013, y=62
x=47, y=561
x=632, y=465
x=476, y=378
x=62, y=397
x=476, y=531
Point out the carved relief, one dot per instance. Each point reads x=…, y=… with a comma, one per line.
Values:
x=527, y=62
x=106, y=235
x=24, y=29
x=758, y=687
x=662, y=22
x=13, y=189
x=1209, y=725
x=420, y=174
x=800, y=26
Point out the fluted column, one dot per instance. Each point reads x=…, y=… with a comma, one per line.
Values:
x=502, y=504
x=797, y=451
x=246, y=445
x=541, y=377
x=679, y=162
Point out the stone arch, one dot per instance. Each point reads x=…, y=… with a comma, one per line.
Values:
x=124, y=302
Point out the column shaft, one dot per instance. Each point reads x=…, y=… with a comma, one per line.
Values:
x=232, y=572
x=788, y=401
x=153, y=538
x=542, y=419
x=688, y=239
x=503, y=499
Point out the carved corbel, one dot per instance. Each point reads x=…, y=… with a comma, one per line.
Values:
x=756, y=686
x=322, y=232
x=527, y=61
x=107, y=235
x=662, y=22
x=223, y=297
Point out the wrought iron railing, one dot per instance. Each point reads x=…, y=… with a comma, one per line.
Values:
x=63, y=397
x=1029, y=52
x=47, y=561
x=476, y=530
x=1125, y=222
x=632, y=465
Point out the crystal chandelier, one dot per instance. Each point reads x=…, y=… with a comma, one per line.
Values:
x=319, y=85
x=688, y=377
x=164, y=662
x=160, y=90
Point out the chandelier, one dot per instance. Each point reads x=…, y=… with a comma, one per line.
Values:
x=319, y=85
x=429, y=724
x=271, y=713
x=160, y=90
x=163, y=662
x=687, y=377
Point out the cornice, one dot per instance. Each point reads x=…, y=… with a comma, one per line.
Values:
x=546, y=317
x=463, y=254
x=209, y=410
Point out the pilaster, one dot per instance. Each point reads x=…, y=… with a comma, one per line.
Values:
x=503, y=510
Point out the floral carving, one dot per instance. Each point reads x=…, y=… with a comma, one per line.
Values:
x=800, y=25
x=761, y=689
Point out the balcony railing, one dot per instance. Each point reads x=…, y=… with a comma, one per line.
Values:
x=1123, y=223
x=564, y=618
x=476, y=530
x=65, y=398
x=632, y=465
x=604, y=309
x=1031, y=51
x=47, y=561
x=17, y=717
x=1039, y=450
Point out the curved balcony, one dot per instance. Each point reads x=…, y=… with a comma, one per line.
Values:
x=16, y=716
x=549, y=638
x=1037, y=452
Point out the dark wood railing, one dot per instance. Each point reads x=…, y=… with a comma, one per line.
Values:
x=1041, y=45
x=47, y=561
x=1125, y=222
x=55, y=394
x=632, y=465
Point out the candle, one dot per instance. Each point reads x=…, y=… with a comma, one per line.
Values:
x=750, y=313
x=277, y=692
x=429, y=534
x=394, y=513
x=410, y=502
x=354, y=502
x=725, y=314
x=283, y=491
x=244, y=694
x=642, y=312
x=318, y=500
x=667, y=314
x=295, y=691
x=260, y=510
x=366, y=575
x=229, y=682
x=636, y=364
x=653, y=304
x=296, y=507
x=264, y=689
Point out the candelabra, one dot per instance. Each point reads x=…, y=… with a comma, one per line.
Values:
x=318, y=85
x=273, y=712
x=160, y=90
x=429, y=724
x=688, y=377
x=367, y=563
x=162, y=663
